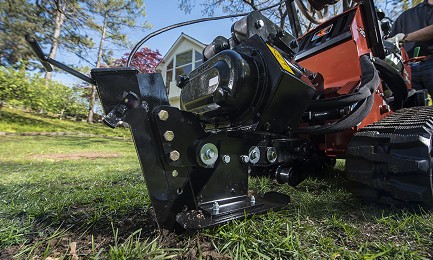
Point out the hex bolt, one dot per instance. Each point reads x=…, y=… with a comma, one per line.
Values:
x=169, y=136
x=174, y=173
x=225, y=159
x=271, y=154
x=254, y=154
x=215, y=208
x=253, y=200
x=207, y=155
x=245, y=158
x=259, y=24
x=174, y=155
x=163, y=115
x=210, y=154
x=384, y=109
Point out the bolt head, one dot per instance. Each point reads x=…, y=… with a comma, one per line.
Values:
x=271, y=154
x=169, y=136
x=253, y=200
x=245, y=158
x=215, y=208
x=207, y=155
x=163, y=115
x=210, y=154
x=174, y=155
x=259, y=24
x=225, y=159
x=254, y=155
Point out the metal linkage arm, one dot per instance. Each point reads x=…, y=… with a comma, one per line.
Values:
x=47, y=61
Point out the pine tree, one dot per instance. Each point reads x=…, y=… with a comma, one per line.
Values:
x=69, y=20
x=18, y=17
x=110, y=20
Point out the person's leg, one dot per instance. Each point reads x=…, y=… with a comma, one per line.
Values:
x=427, y=76
x=417, y=82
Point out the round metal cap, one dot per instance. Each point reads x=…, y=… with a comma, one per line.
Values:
x=208, y=154
x=254, y=154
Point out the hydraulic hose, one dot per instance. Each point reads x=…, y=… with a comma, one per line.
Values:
x=363, y=101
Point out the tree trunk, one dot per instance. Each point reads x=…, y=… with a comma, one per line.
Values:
x=283, y=15
x=58, y=23
x=98, y=64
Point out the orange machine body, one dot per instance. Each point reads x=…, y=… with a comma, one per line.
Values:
x=333, y=49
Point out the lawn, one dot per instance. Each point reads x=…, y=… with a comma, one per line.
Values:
x=18, y=121
x=84, y=197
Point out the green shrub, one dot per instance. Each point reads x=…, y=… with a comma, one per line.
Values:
x=20, y=89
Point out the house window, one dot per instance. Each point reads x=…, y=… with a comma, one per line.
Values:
x=198, y=59
x=182, y=64
x=183, y=58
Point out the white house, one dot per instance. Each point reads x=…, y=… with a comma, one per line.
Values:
x=184, y=56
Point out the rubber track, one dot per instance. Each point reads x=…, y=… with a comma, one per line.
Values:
x=392, y=157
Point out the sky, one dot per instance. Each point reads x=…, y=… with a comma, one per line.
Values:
x=159, y=13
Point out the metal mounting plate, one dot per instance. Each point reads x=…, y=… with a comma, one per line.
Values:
x=235, y=208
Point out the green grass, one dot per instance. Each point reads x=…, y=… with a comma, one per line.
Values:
x=38, y=195
x=18, y=121
x=101, y=204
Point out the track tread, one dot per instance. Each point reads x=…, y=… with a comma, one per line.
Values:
x=393, y=156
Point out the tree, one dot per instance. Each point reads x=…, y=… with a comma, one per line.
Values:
x=110, y=19
x=145, y=60
x=17, y=17
x=69, y=19
x=279, y=14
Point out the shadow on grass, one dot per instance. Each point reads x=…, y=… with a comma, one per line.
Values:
x=21, y=119
x=51, y=197
x=329, y=193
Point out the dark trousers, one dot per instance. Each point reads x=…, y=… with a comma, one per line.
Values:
x=422, y=75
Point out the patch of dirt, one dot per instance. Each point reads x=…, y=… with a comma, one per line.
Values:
x=9, y=252
x=196, y=246
x=75, y=156
x=68, y=245
x=201, y=246
x=75, y=244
